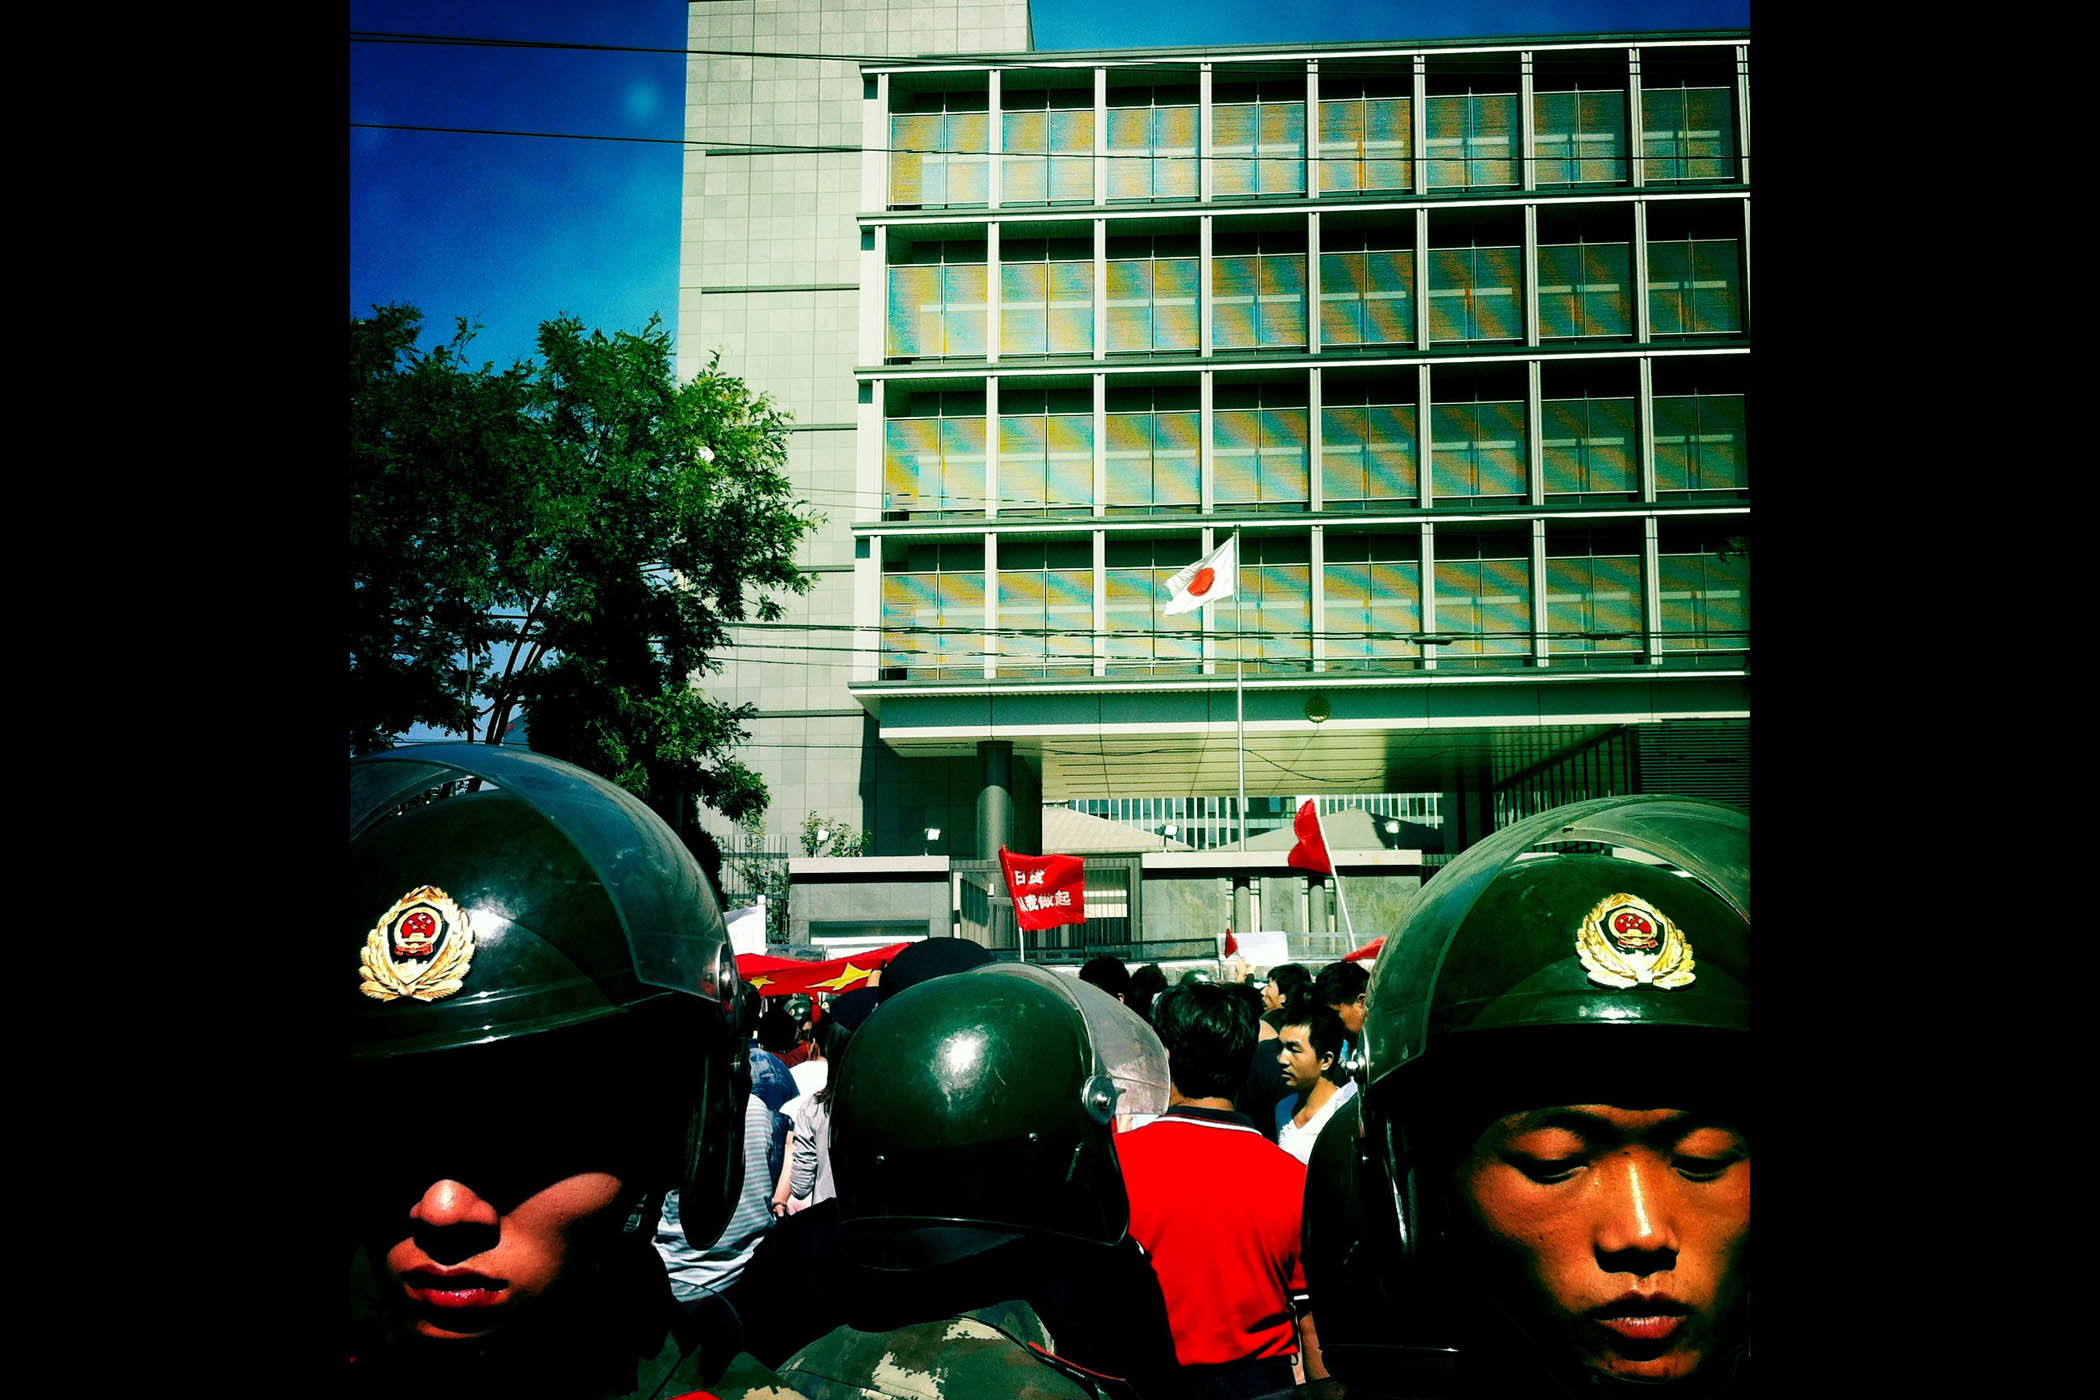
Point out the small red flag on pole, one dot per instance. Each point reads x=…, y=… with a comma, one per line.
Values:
x=1047, y=890
x=1232, y=945
x=1311, y=851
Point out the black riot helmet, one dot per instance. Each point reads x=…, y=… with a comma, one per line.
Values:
x=980, y=1107
x=538, y=970
x=1593, y=954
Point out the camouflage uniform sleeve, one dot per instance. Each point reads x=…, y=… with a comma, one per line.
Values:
x=955, y=1358
x=745, y=1379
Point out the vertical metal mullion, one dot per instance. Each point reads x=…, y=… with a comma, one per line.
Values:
x=1312, y=282
x=1534, y=434
x=1636, y=134
x=1529, y=283
x=1318, y=558
x=989, y=639
x=1742, y=115
x=1540, y=619
x=1100, y=161
x=1315, y=442
x=991, y=448
x=1643, y=332
x=1425, y=488
x=1206, y=297
x=1527, y=134
x=1206, y=188
x=1100, y=382
x=1428, y=590
x=1645, y=429
x=1312, y=128
x=1100, y=289
x=1651, y=591
x=995, y=140
x=1100, y=643
x=994, y=285
x=1418, y=134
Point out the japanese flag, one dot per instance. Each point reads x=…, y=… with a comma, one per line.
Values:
x=1210, y=578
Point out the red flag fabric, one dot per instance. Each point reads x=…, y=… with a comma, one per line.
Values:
x=1232, y=945
x=1367, y=952
x=1311, y=851
x=779, y=977
x=1047, y=890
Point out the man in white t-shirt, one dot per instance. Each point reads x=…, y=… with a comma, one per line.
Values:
x=1309, y=1048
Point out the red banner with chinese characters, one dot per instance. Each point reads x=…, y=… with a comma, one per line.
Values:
x=779, y=977
x=1047, y=890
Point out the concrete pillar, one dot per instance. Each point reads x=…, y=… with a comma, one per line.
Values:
x=1467, y=804
x=995, y=801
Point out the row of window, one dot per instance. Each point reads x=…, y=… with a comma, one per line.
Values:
x=1365, y=146
x=1260, y=299
x=1479, y=587
x=1261, y=459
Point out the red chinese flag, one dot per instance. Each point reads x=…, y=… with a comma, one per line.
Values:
x=1311, y=851
x=1232, y=945
x=1047, y=890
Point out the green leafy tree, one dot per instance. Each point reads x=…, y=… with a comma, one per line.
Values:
x=573, y=537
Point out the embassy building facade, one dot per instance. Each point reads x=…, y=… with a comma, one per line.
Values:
x=1455, y=335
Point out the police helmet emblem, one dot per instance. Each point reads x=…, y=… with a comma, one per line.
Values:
x=1626, y=941
x=420, y=948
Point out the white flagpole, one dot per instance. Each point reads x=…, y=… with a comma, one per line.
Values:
x=1332, y=871
x=1239, y=685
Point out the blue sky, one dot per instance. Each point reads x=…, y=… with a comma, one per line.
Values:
x=509, y=231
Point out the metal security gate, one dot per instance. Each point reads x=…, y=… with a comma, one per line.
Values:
x=985, y=913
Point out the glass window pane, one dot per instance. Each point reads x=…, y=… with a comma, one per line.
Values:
x=1023, y=314
x=1174, y=173
x=914, y=311
x=1130, y=306
x=911, y=136
x=911, y=464
x=1232, y=302
x=1023, y=463
x=1232, y=139
x=1284, y=478
x=1070, y=448
x=1176, y=308
x=1282, y=293
x=1501, y=449
x=1717, y=287
x=1492, y=152
x=1669, y=288
x=1344, y=432
x=1024, y=176
x=965, y=314
x=1498, y=311
x=1177, y=467
x=1389, y=299
x=969, y=136
x=1129, y=145
x=1342, y=279
x=1072, y=175
x=1020, y=621
x=1237, y=436
x=1282, y=135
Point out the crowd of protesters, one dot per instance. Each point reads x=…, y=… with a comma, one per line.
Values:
x=985, y=1179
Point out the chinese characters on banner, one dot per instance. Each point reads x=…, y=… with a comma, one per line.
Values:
x=1047, y=890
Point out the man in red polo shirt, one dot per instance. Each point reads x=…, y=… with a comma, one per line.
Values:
x=1216, y=1206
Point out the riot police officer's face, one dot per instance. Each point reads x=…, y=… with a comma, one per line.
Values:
x=468, y=1263
x=1624, y=1233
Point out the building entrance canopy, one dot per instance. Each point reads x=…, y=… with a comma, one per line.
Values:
x=1385, y=737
